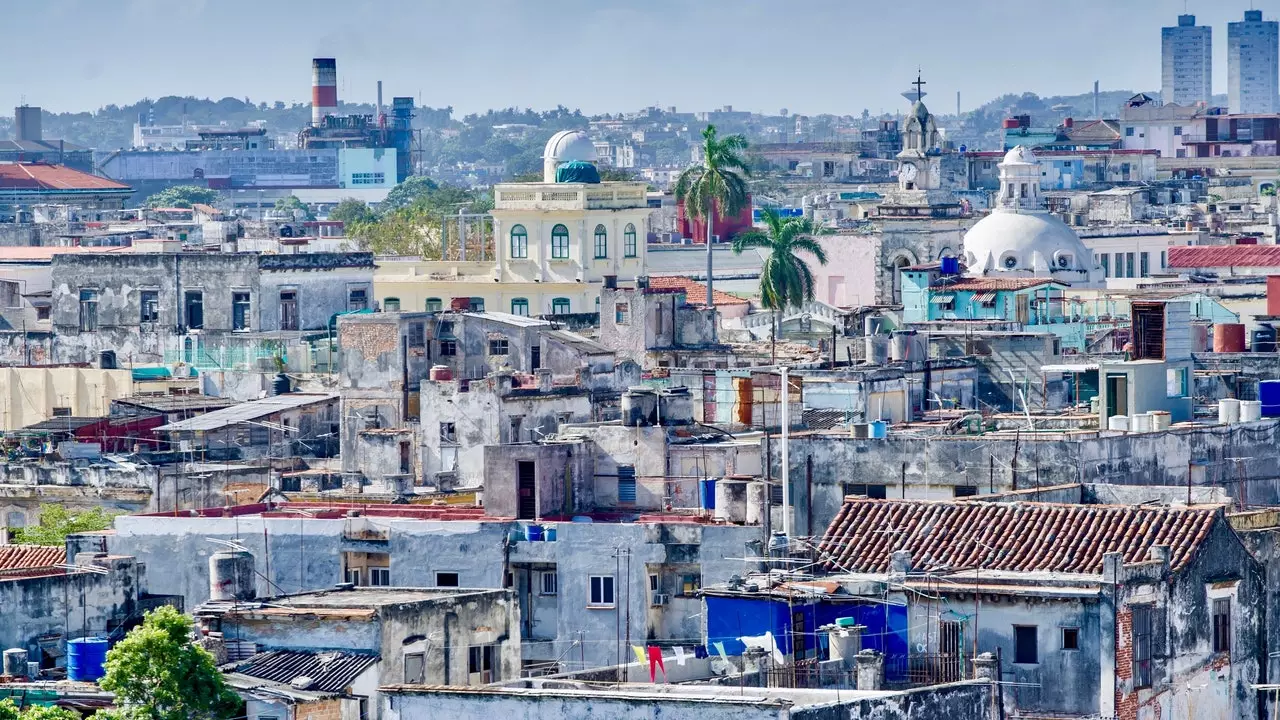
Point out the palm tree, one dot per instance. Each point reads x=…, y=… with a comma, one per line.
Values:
x=785, y=278
x=716, y=185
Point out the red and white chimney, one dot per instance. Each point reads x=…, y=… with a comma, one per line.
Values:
x=324, y=89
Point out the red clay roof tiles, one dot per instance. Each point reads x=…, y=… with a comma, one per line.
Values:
x=1225, y=256
x=988, y=283
x=13, y=557
x=1016, y=537
x=695, y=292
x=43, y=176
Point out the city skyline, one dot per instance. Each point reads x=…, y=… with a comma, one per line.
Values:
x=599, y=57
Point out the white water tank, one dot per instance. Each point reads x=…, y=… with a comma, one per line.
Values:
x=1118, y=422
x=1228, y=411
x=1140, y=423
x=1161, y=420
x=1250, y=410
x=232, y=575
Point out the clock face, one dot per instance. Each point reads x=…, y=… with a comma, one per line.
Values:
x=908, y=172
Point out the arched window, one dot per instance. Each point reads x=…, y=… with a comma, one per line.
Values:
x=519, y=242
x=629, y=241
x=434, y=305
x=602, y=242
x=520, y=306
x=560, y=306
x=391, y=304
x=559, y=243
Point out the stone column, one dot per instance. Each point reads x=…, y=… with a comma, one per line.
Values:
x=870, y=670
x=985, y=667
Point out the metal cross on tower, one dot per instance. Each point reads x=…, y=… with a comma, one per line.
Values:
x=919, y=86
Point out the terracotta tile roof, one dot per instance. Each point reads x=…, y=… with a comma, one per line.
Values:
x=14, y=557
x=695, y=292
x=1026, y=537
x=1225, y=256
x=43, y=176
x=988, y=283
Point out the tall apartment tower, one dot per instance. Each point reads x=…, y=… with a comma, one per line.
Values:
x=1187, y=62
x=1253, y=64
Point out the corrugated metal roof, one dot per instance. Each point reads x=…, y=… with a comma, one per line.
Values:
x=329, y=671
x=169, y=403
x=990, y=283
x=1018, y=537
x=43, y=176
x=246, y=411
x=15, y=557
x=1225, y=256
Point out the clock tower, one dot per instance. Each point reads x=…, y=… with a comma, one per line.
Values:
x=919, y=162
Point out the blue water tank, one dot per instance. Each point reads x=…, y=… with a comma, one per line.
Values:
x=533, y=533
x=950, y=266
x=85, y=658
x=1269, y=392
x=707, y=493
x=879, y=429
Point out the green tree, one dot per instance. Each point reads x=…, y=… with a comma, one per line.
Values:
x=716, y=185
x=785, y=278
x=291, y=204
x=407, y=193
x=182, y=196
x=45, y=712
x=157, y=673
x=9, y=711
x=616, y=174
x=351, y=211
x=56, y=523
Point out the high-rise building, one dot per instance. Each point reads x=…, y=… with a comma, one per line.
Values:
x=1187, y=62
x=1253, y=64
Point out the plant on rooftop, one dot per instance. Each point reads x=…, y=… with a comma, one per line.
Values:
x=717, y=185
x=785, y=278
x=181, y=196
x=56, y=523
x=158, y=673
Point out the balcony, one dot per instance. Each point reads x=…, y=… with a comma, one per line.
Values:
x=570, y=196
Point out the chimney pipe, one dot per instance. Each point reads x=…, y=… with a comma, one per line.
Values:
x=324, y=89
x=378, y=111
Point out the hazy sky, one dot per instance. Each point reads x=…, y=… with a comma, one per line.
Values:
x=809, y=56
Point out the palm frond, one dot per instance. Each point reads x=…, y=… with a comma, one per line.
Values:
x=748, y=239
x=811, y=246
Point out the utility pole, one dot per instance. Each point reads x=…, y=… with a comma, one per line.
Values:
x=786, y=453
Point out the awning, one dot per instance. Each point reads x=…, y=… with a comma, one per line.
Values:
x=943, y=299
x=985, y=297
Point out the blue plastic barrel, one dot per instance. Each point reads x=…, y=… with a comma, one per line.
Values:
x=85, y=658
x=950, y=266
x=533, y=533
x=707, y=493
x=879, y=429
x=1269, y=392
x=550, y=533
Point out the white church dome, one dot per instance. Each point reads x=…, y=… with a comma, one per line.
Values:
x=570, y=146
x=1020, y=155
x=1021, y=243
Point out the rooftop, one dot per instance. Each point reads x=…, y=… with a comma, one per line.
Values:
x=45, y=254
x=355, y=598
x=1019, y=537
x=327, y=671
x=979, y=284
x=43, y=177
x=695, y=292
x=1225, y=256
x=685, y=692
x=244, y=412
x=171, y=403
x=22, y=557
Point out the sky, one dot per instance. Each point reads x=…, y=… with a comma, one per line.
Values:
x=809, y=56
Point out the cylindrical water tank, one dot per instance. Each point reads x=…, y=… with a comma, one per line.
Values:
x=731, y=501
x=1250, y=410
x=1269, y=395
x=280, y=386
x=1140, y=422
x=878, y=429
x=440, y=373
x=231, y=575
x=85, y=658
x=1118, y=422
x=639, y=407
x=904, y=347
x=877, y=349
x=707, y=493
x=757, y=502
x=1228, y=411
x=1228, y=337
x=1263, y=339
x=15, y=662
x=1161, y=420
x=675, y=406
x=1200, y=337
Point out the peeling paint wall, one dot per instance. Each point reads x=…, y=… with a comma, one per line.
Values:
x=53, y=604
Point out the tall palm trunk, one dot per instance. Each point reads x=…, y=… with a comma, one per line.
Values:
x=711, y=300
x=773, y=340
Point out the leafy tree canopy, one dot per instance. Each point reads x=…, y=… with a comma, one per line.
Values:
x=407, y=193
x=10, y=711
x=351, y=211
x=157, y=673
x=56, y=523
x=288, y=205
x=182, y=196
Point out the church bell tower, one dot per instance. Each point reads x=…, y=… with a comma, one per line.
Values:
x=919, y=165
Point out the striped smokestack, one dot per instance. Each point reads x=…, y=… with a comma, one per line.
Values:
x=324, y=89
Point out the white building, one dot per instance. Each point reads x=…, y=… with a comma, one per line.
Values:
x=1021, y=239
x=1253, y=64
x=1187, y=62
x=1150, y=125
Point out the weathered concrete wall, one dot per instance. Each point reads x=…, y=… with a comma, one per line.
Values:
x=1223, y=456
x=562, y=476
x=963, y=701
x=321, y=292
x=35, y=606
x=454, y=624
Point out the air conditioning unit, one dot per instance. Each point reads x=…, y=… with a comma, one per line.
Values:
x=660, y=599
